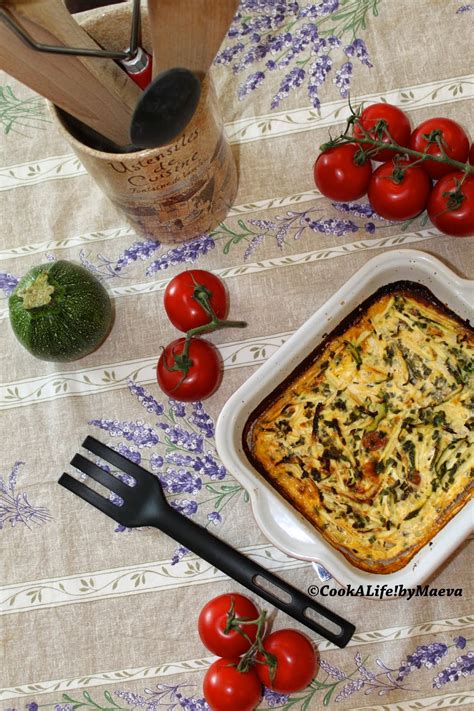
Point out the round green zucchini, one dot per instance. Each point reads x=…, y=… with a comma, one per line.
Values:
x=59, y=311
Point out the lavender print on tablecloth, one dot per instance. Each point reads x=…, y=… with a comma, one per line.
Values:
x=462, y=666
x=15, y=507
x=426, y=655
x=331, y=686
x=138, y=251
x=178, y=447
x=254, y=232
x=187, y=252
x=302, y=40
x=7, y=283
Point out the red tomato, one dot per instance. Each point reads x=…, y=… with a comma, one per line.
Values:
x=204, y=374
x=451, y=214
x=395, y=200
x=454, y=141
x=227, y=689
x=338, y=176
x=393, y=119
x=471, y=155
x=183, y=310
x=297, y=661
x=213, y=619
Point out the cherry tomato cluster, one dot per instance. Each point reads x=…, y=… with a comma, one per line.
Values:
x=231, y=627
x=401, y=187
x=189, y=368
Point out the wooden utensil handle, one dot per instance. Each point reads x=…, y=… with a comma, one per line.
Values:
x=94, y=90
x=188, y=33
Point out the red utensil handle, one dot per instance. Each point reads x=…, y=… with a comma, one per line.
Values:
x=139, y=68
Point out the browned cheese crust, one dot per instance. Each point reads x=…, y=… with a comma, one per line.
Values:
x=371, y=439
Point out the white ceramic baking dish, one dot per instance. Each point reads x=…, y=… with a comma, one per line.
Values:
x=278, y=520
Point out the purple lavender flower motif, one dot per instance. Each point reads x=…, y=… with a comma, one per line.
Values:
x=333, y=226
x=178, y=408
x=131, y=699
x=7, y=283
x=464, y=8
x=181, y=459
x=129, y=453
x=180, y=481
x=163, y=695
x=138, y=250
x=350, y=688
x=370, y=676
x=33, y=706
x=292, y=80
x=358, y=49
x=227, y=55
x=137, y=432
x=63, y=707
x=423, y=656
x=369, y=227
x=343, y=79
x=208, y=466
x=202, y=420
x=322, y=8
x=333, y=672
x=214, y=517
x=250, y=84
x=281, y=234
x=263, y=224
x=355, y=208
x=15, y=507
x=252, y=246
x=275, y=699
x=318, y=72
x=460, y=642
x=187, y=252
x=179, y=554
x=185, y=506
x=190, y=441
x=462, y=666
x=191, y=703
x=147, y=400
x=156, y=462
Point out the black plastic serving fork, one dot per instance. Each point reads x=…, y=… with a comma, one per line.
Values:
x=144, y=504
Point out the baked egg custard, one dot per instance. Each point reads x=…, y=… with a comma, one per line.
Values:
x=370, y=438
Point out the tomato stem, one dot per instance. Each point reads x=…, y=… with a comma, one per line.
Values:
x=182, y=362
x=203, y=296
x=370, y=145
x=249, y=658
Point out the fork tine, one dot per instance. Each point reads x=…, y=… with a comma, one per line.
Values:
x=116, y=459
x=92, y=497
x=103, y=477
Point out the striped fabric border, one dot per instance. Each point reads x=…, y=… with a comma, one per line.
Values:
x=131, y=580
x=261, y=127
x=285, y=260
x=446, y=626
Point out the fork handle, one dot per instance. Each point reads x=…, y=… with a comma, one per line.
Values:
x=256, y=578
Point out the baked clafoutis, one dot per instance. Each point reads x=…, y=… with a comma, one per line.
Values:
x=370, y=438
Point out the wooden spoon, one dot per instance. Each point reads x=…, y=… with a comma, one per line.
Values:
x=95, y=91
x=188, y=33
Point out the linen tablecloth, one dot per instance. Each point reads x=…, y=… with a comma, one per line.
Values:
x=97, y=617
